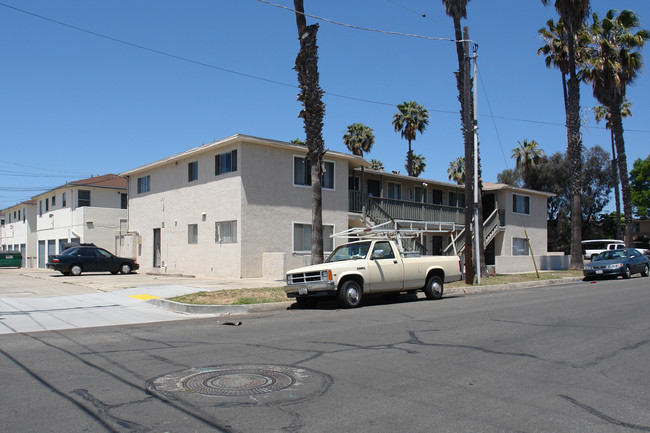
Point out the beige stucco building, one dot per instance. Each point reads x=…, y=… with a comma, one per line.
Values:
x=241, y=207
x=18, y=231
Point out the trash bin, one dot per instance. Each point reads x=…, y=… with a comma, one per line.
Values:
x=11, y=259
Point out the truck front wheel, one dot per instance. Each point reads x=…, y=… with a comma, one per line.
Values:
x=434, y=287
x=350, y=294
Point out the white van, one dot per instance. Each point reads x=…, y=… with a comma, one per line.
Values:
x=593, y=247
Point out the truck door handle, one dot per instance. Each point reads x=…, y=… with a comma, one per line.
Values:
x=395, y=261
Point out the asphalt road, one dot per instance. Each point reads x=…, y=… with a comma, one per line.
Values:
x=563, y=358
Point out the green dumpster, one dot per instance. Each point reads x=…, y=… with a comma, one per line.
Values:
x=11, y=259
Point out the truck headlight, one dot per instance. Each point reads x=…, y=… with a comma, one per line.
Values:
x=326, y=275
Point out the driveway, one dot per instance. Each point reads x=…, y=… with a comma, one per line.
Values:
x=40, y=300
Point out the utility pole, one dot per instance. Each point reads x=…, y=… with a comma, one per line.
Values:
x=477, y=232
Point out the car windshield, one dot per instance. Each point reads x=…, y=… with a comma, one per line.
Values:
x=349, y=252
x=611, y=255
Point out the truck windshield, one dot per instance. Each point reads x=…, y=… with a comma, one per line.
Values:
x=349, y=252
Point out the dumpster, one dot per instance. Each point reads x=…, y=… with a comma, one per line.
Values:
x=11, y=259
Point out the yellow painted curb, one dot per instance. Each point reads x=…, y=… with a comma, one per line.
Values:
x=144, y=297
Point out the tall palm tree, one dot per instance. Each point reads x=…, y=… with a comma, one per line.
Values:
x=573, y=14
x=456, y=170
x=359, y=138
x=376, y=164
x=601, y=112
x=614, y=64
x=528, y=156
x=418, y=165
x=556, y=50
x=312, y=114
x=410, y=119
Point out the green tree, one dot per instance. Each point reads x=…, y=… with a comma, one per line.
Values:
x=573, y=14
x=297, y=141
x=456, y=170
x=601, y=112
x=410, y=119
x=312, y=114
x=418, y=165
x=614, y=63
x=640, y=187
x=597, y=183
x=359, y=138
x=528, y=156
x=376, y=164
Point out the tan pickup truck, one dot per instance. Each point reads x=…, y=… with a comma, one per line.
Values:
x=368, y=267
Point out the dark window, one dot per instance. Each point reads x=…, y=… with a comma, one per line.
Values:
x=302, y=173
x=193, y=234
x=84, y=198
x=143, y=184
x=437, y=196
x=521, y=204
x=63, y=201
x=53, y=201
x=124, y=200
x=192, y=171
x=225, y=163
x=47, y=204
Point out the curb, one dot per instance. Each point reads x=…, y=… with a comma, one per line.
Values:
x=222, y=310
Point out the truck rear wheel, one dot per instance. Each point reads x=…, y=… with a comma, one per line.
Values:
x=350, y=294
x=434, y=287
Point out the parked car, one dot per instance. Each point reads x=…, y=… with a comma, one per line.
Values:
x=618, y=262
x=90, y=258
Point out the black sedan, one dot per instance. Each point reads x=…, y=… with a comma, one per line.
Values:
x=617, y=262
x=76, y=260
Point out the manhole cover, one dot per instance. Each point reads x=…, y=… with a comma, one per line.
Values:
x=241, y=384
x=237, y=381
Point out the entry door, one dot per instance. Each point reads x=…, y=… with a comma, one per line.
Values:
x=156, y=248
x=41, y=254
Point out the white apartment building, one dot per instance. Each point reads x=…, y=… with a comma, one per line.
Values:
x=18, y=231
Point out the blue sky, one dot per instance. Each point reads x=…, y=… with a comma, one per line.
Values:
x=75, y=104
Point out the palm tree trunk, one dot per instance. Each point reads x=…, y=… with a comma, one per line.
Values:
x=574, y=153
x=409, y=160
x=312, y=114
x=617, y=127
x=617, y=193
x=464, y=86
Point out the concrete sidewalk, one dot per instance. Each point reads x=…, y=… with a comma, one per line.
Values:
x=40, y=300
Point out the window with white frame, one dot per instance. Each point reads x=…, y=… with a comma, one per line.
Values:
x=144, y=184
x=521, y=204
x=225, y=232
x=394, y=190
x=519, y=247
x=192, y=233
x=63, y=201
x=192, y=171
x=302, y=173
x=225, y=162
x=302, y=237
x=83, y=198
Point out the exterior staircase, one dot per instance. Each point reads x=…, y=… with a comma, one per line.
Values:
x=491, y=226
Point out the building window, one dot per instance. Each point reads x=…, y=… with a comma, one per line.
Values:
x=519, y=247
x=63, y=200
x=225, y=232
x=193, y=234
x=40, y=208
x=225, y=163
x=457, y=199
x=124, y=200
x=192, y=171
x=302, y=237
x=521, y=204
x=18, y=214
x=144, y=184
x=47, y=204
x=53, y=201
x=394, y=191
x=84, y=198
x=24, y=212
x=302, y=173
x=420, y=194
x=436, y=196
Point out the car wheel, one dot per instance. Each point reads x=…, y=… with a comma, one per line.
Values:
x=75, y=270
x=627, y=273
x=350, y=294
x=434, y=287
x=645, y=271
x=125, y=268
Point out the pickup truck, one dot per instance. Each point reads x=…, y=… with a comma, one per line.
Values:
x=368, y=267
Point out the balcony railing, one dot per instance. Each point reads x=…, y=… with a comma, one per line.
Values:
x=409, y=210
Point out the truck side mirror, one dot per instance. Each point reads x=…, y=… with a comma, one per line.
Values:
x=379, y=254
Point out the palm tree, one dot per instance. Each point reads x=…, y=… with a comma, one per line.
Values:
x=359, y=138
x=410, y=119
x=418, y=165
x=601, y=112
x=528, y=156
x=615, y=62
x=556, y=50
x=573, y=14
x=297, y=141
x=312, y=115
x=456, y=170
x=376, y=164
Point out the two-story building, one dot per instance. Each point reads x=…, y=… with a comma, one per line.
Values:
x=90, y=210
x=18, y=231
x=241, y=207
